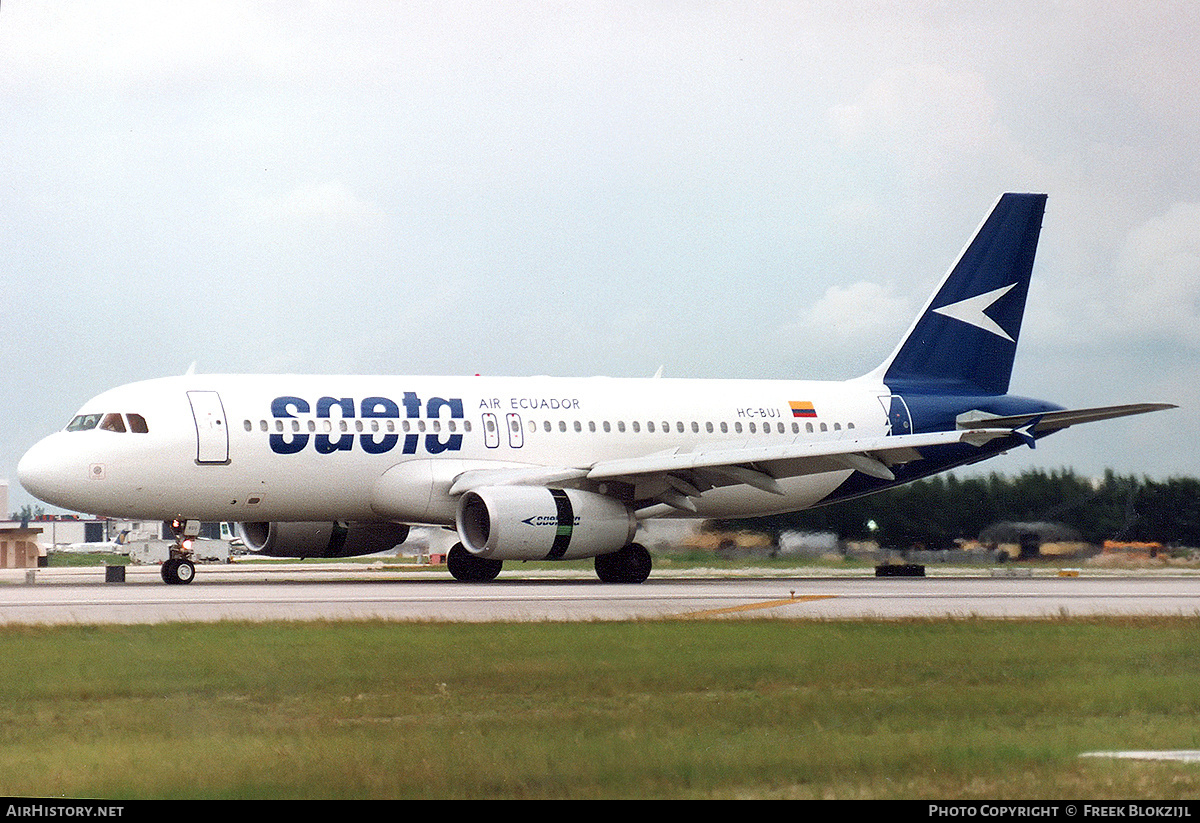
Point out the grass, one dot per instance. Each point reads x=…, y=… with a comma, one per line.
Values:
x=967, y=709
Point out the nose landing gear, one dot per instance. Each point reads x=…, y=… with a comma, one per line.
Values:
x=179, y=568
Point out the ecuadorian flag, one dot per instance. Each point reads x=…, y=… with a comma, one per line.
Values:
x=802, y=408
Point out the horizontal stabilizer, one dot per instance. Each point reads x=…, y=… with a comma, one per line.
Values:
x=1053, y=421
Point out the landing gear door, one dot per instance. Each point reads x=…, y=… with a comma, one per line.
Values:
x=899, y=420
x=212, y=429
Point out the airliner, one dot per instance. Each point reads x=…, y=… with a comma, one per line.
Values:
x=543, y=468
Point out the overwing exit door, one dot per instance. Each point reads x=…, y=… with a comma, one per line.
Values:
x=212, y=429
x=516, y=434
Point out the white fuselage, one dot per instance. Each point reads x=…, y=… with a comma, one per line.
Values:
x=314, y=448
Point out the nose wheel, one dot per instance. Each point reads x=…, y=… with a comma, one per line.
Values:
x=178, y=570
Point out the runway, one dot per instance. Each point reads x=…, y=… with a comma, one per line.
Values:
x=294, y=591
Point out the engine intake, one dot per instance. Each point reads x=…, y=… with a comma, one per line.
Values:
x=321, y=539
x=536, y=523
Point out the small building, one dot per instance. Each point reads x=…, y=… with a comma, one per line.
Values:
x=1024, y=541
x=19, y=548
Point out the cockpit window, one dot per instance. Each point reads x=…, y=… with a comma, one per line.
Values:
x=112, y=422
x=83, y=422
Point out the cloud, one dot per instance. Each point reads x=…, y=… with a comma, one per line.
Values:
x=325, y=203
x=1158, y=274
x=923, y=121
x=847, y=324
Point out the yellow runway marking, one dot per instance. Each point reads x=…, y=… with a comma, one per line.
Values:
x=766, y=604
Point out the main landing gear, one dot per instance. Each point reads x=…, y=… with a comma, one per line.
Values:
x=629, y=565
x=467, y=568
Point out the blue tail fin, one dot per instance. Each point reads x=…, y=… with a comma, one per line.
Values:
x=964, y=340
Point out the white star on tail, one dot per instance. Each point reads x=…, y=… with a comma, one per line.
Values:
x=971, y=311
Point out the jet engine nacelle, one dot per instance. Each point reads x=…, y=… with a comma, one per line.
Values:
x=321, y=539
x=536, y=523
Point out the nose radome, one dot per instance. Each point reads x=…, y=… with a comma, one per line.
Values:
x=42, y=471
x=30, y=469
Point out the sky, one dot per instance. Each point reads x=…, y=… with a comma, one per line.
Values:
x=754, y=189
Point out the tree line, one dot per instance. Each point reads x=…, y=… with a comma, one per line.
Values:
x=936, y=512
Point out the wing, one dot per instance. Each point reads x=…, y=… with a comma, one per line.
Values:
x=677, y=476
